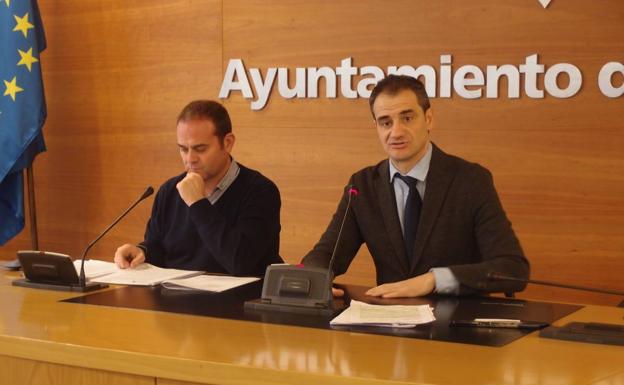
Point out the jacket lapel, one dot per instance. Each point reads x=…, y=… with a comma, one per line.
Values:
x=387, y=205
x=439, y=178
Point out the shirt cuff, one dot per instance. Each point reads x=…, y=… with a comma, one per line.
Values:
x=445, y=281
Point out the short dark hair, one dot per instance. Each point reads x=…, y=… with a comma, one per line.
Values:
x=208, y=110
x=393, y=84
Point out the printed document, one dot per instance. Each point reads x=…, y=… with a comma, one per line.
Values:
x=404, y=316
x=144, y=274
x=213, y=283
x=95, y=268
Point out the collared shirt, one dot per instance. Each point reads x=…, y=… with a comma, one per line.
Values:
x=401, y=189
x=445, y=281
x=225, y=182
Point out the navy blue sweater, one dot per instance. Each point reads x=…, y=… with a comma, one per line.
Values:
x=238, y=235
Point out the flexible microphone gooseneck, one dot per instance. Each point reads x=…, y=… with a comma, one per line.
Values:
x=501, y=277
x=590, y=332
x=353, y=192
x=82, y=279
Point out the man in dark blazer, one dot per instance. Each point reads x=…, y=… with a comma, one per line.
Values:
x=432, y=222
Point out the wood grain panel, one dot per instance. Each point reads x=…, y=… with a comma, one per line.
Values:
x=117, y=73
x=557, y=163
x=36, y=326
x=19, y=371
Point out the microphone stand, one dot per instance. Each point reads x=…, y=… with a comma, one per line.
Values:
x=54, y=271
x=298, y=288
x=591, y=332
x=352, y=191
x=82, y=279
x=502, y=277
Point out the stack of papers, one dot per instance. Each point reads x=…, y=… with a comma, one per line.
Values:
x=150, y=275
x=213, y=283
x=144, y=274
x=402, y=316
x=95, y=268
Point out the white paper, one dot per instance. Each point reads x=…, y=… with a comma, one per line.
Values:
x=360, y=313
x=95, y=268
x=213, y=283
x=144, y=274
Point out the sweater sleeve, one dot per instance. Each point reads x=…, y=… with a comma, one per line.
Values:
x=240, y=244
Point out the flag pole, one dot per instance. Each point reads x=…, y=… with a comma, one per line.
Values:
x=32, y=211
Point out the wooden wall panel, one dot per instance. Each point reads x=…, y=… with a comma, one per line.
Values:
x=557, y=162
x=117, y=73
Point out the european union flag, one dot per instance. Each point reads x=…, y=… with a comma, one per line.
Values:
x=22, y=106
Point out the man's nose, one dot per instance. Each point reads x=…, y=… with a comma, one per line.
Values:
x=397, y=129
x=191, y=157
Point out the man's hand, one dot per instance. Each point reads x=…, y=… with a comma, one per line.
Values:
x=191, y=188
x=336, y=292
x=413, y=287
x=129, y=256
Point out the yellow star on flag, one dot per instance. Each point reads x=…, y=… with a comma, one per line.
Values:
x=8, y=2
x=22, y=24
x=12, y=88
x=27, y=58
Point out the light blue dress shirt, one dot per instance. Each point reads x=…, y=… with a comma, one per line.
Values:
x=445, y=281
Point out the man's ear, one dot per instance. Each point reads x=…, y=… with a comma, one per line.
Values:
x=228, y=141
x=429, y=119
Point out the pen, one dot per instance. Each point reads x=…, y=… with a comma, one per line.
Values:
x=499, y=323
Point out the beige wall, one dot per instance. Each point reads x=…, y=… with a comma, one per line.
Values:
x=117, y=72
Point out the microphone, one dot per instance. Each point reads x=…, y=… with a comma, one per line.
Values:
x=298, y=288
x=82, y=280
x=590, y=332
x=493, y=276
x=54, y=271
x=353, y=192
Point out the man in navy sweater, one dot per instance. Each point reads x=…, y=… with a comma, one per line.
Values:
x=217, y=216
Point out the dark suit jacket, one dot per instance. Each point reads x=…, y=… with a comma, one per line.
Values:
x=462, y=226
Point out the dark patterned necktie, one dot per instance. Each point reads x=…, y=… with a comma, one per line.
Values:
x=411, y=215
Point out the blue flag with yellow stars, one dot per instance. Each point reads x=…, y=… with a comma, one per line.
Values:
x=22, y=106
